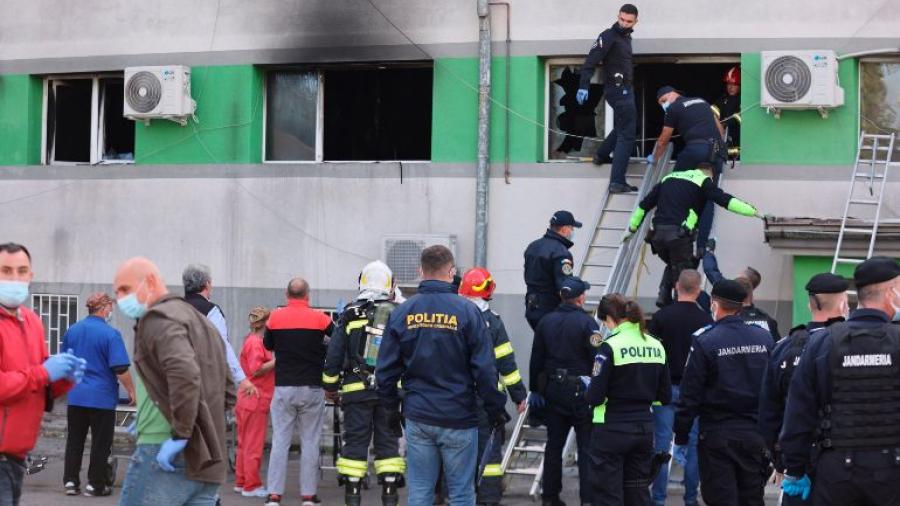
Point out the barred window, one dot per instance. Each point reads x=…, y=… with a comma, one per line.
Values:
x=57, y=313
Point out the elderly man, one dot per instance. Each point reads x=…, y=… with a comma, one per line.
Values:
x=183, y=393
x=92, y=403
x=29, y=379
x=197, y=289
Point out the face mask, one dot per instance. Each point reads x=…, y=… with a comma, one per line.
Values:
x=131, y=306
x=13, y=293
x=896, y=317
x=665, y=106
x=572, y=235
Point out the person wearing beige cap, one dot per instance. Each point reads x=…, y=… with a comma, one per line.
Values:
x=92, y=403
x=252, y=411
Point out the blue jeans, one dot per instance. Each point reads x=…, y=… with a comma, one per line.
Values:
x=663, y=419
x=148, y=485
x=11, y=476
x=427, y=447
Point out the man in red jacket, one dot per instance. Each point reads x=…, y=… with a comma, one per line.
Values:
x=28, y=377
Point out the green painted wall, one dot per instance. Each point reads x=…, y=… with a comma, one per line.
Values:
x=799, y=137
x=806, y=267
x=21, y=101
x=454, y=133
x=229, y=110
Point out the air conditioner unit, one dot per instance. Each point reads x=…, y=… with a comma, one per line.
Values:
x=159, y=93
x=800, y=80
x=401, y=252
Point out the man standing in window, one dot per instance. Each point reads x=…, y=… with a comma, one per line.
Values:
x=28, y=377
x=612, y=50
x=92, y=403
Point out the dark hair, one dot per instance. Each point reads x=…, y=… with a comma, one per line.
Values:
x=298, y=288
x=747, y=285
x=619, y=308
x=689, y=280
x=753, y=276
x=730, y=306
x=12, y=247
x=629, y=9
x=434, y=258
x=869, y=293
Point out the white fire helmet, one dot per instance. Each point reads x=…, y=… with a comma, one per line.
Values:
x=376, y=277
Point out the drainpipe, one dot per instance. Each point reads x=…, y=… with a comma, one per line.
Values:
x=482, y=172
x=506, y=95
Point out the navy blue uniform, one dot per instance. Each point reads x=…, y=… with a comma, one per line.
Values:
x=844, y=398
x=693, y=119
x=548, y=263
x=565, y=343
x=721, y=385
x=612, y=49
x=437, y=344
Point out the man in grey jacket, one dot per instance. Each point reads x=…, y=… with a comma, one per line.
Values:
x=183, y=391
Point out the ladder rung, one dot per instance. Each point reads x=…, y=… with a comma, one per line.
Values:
x=850, y=260
x=604, y=227
x=868, y=202
x=597, y=265
x=858, y=230
x=870, y=176
x=605, y=246
x=617, y=210
x=525, y=471
x=877, y=136
x=530, y=449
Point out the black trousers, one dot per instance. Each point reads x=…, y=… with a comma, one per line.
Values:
x=622, y=456
x=870, y=478
x=675, y=247
x=732, y=468
x=537, y=305
x=362, y=421
x=566, y=410
x=102, y=424
x=491, y=488
x=12, y=474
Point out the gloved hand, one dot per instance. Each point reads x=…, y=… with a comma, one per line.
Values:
x=60, y=365
x=395, y=423
x=680, y=455
x=585, y=380
x=650, y=159
x=167, y=453
x=132, y=428
x=77, y=373
x=499, y=418
x=582, y=96
x=628, y=235
x=535, y=400
x=339, y=307
x=797, y=486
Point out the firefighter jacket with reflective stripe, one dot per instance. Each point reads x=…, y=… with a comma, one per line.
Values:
x=353, y=350
x=630, y=374
x=510, y=377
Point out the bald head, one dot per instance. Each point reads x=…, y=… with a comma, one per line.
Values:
x=140, y=276
x=298, y=288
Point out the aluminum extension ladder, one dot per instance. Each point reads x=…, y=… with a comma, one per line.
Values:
x=872, y=169
x=607, y=264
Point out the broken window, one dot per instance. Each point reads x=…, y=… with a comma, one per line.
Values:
x=84, y=122
x=292, y=105
x=879, y=87
x=570, y=122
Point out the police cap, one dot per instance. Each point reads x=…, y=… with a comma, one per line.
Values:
x=573, y=286
x=564, y=218
x=827, y=282
x=875, y=270
x=730, y=290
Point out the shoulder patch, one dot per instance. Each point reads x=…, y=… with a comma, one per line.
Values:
x=596, y=339
x=567, y=267
x=598, y=365
x=700, y=331
x=598, y=42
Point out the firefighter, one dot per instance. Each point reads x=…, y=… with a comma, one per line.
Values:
x=477, y=285
x=350, y=365
x=728, y=111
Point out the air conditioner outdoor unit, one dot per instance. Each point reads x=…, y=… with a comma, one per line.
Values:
x=159, y=93
x=800, y=80
x=401, y=252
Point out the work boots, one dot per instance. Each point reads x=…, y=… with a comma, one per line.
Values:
x=352, y=489
x=389, y=485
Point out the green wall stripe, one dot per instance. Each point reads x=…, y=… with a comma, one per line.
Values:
x=21, y=103
x=806, y=267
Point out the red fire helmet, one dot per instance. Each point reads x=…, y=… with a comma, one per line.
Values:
x=477, y=282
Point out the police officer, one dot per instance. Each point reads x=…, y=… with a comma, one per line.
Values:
x=728, y=111
x=629, y=375
x=678, y=200
x=694, y=120
x=753, y=315
x=845, y=397
x=612, y=50
x=548, y=263
x=350, y=363
x=721, y=384
x=562, y=357
x=478, y=286
x=828, y=304
x=436, y=343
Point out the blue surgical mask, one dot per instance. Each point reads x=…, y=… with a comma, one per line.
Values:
x=665, y=106
x=13, y=293
x=131, y=306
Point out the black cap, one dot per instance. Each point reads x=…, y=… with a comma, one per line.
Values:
x=662, y=91
x=827, y=282
x=573, y=286
x=564, y=218
x=875, y=270
x=730, y=290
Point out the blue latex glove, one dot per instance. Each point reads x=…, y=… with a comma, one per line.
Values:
x=60, y=365
x=132, y=428
x=797, y=486
x=536, y=401
x=339, y=307
x=582, y=96
x=77, y=373
x=680, y=455
x=650, y=158
x=586, y=380
x=167, y=453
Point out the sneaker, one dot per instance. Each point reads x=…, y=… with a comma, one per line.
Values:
x=100, y=491
x=273, y=500
x=72, y=488
x=256, y=492
x=621, y=188
x=238, y=489
x=311, y=500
